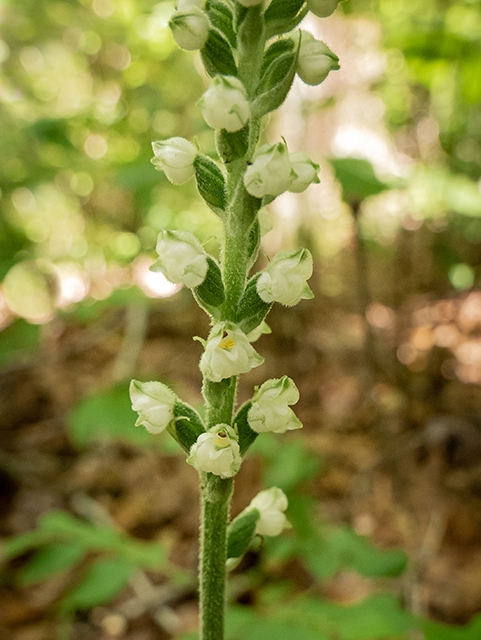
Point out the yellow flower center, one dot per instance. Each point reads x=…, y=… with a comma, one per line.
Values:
x=226, y=342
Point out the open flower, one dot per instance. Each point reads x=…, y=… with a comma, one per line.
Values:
x=228, y=353
x=181, y=259
x=224, y=105
x=216, y=451
x=271, y=505
x=270, y=407
x=154, y=402
x=284, y=278
x=175, y=156
x=271, y=172
x=305, y=169
x=315, y=60
x=190, y=27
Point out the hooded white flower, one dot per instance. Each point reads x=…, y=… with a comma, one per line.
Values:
x=315, y=60
x=322, y=8
x=270, y=407
x=224, y=105
x=175, y=156
x=271, y=172
x=190, y=27
x=154, y=402
x=305, y=169
x=284, y=278
x=216, y=451
x=182, y=259
x=228, y=353
x=271, y=505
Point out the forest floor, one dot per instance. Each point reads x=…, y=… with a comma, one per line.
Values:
x=400, y=447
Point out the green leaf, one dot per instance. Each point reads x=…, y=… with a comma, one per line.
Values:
x=18, y=545
x=222, y=19
x=251, y=310
x=241, y=533
x=254, y=243
x=357, y=179
x=18, y=340
x=275, y=84
x=103, y=581
x=210, y=183
x=283, y=16
x=105, y=416
x=232, y=145
x=217, y=55
x=437, y=631
x=277, y=48
x=245, y=433
x=210, y=294
x=291, y=465
x=188, y=425
x=53, y=558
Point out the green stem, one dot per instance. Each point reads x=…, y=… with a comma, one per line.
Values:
x=215, y=501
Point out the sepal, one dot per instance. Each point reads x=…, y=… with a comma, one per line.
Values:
x=217, y=55
x=241, y=533
x=210, y=183
x=186, y=426
x=251, y=310
x=210, y=294
x=245, y=434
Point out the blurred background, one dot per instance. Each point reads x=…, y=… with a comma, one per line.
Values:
x=99, y=519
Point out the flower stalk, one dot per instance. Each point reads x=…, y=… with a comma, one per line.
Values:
x=251, y=74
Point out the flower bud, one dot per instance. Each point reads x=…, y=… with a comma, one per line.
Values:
x=228, y=353
x=154, y=402
x=270, y=407
x=182, y=259
x=322, y=8
x=271, y=172
x=216, y=451
x=315, y=59
x=190, y=27
x=271, y=505
x=224, y=105
x=284, y=278
x=175, y=157
x=305, y=169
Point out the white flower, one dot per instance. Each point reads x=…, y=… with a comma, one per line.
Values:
x=224, y=105
x=315, y=60
x=228, y=353
x=271, y=505
x=190, y=27
x=175, y=157
x=154, y=402
x=270, y=407
x=322, y=8
x=305, y=169
x=284, y=278
x=182, y=259
x=271, y=172
x=217, y=451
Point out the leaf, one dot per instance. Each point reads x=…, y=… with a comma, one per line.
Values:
x=275, y=84
x=283, y=16
x=188, y=425
x=105, y=416
x=232, y=145
x=221, y=18
x=357, y=179
x=51, y=559
x=210, y=294
x=210, y=183
x=241, y=533
x=245, y=433
x=251, y=310
x=102, y=582
x=437, y=631
x=217, y=55
x=291, y=465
